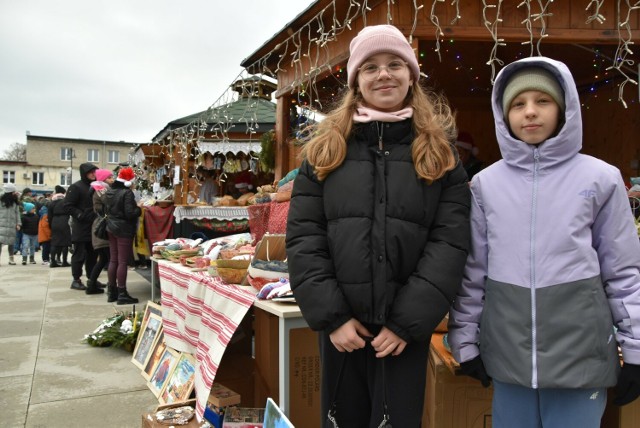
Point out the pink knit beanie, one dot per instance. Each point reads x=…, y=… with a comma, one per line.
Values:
x=103, y=174
x=378, y=39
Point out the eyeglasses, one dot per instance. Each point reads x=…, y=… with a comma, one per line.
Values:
x=371, y=71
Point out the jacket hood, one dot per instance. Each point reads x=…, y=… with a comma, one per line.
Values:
x=565, y=144
x=86, y=168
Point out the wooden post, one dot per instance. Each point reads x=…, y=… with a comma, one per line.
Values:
x=282, y=135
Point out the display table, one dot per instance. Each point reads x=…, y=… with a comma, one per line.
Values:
x=209, y=212
x=200, y=313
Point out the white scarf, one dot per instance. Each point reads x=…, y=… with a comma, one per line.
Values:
x=365, y=114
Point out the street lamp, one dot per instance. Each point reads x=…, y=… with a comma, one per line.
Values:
x=72, y=155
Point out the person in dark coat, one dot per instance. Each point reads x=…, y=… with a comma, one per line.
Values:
x=77, y=203
x=60, y=229
x=122, y=215
x=378, y=234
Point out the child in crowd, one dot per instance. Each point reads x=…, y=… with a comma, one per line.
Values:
x=44, y=234
x=29, y=233
x=552, y=282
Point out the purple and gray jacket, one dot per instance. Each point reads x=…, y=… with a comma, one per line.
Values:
x=552, y=282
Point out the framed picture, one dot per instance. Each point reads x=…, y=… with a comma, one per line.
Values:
x=154, y=356
x=149, y=332
x=151, y=308
x=180, y=383
x=274, y=417
x=162, y=371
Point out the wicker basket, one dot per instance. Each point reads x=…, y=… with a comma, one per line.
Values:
x=231, y=275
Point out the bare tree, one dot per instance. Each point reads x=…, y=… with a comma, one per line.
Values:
x=17, y=152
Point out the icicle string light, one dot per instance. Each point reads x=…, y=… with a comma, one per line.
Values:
x=416, y=9
x=492, y=26
x=436, y=23
x=596, y=15
x=624, y=41
x=528, y=24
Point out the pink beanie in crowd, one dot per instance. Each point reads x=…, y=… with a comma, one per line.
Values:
x=103, y=174
x=378, y=39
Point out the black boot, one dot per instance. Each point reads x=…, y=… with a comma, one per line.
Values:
x=100, y=284
x=54, y=264
x=124, y=298
x=65, y=264
x=32, y=260
x=112, y=293
x=92, y=288
x=77, y=285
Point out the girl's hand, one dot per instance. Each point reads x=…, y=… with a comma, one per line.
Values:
x=387, y=342
x=348, y=338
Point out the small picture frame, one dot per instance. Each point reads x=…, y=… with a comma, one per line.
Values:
x=274, y=417
x=149, y=332
x=162, y=371
x=154, y=356
x=150, y=308
x=181, y=381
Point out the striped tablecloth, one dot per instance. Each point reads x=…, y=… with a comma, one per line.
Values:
x=200, y=313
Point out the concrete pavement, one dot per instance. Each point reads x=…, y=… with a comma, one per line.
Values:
x=48, y=376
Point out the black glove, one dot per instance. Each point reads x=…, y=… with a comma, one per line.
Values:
x=628, y=387
x=475, y=369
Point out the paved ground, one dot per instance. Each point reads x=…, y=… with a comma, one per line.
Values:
x=48, y=376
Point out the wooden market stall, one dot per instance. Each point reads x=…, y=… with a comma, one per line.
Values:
x=217, y=147
x=461, y=45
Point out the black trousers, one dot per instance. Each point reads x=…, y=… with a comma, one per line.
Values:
x=83, y=254
x=359, y=397
x=102, y=260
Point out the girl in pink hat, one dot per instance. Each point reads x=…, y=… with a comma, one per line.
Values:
x=378, y=233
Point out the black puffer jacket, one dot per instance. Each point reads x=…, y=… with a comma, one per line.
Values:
x=375, y=242
x=77, y=203
x=122, y=210
x=59, y=221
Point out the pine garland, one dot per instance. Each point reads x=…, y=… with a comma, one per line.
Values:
x=111, y=333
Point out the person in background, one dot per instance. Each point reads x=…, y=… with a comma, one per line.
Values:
x=10, y=218
x=25, y=196
x=552, y=282
x=122, y=211
x=378, y=233
x=44, y=234
x=60, y=229
x=104, y=179
x=29, y=233
x=77, y=203
x=468, y=152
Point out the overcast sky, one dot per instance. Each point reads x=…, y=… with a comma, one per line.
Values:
x=122, y=69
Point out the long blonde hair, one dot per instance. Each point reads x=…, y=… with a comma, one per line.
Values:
x=433, y=123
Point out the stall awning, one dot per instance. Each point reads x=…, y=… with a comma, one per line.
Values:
x=227, y=146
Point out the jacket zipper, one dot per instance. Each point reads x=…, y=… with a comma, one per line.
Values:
x=532, y=273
